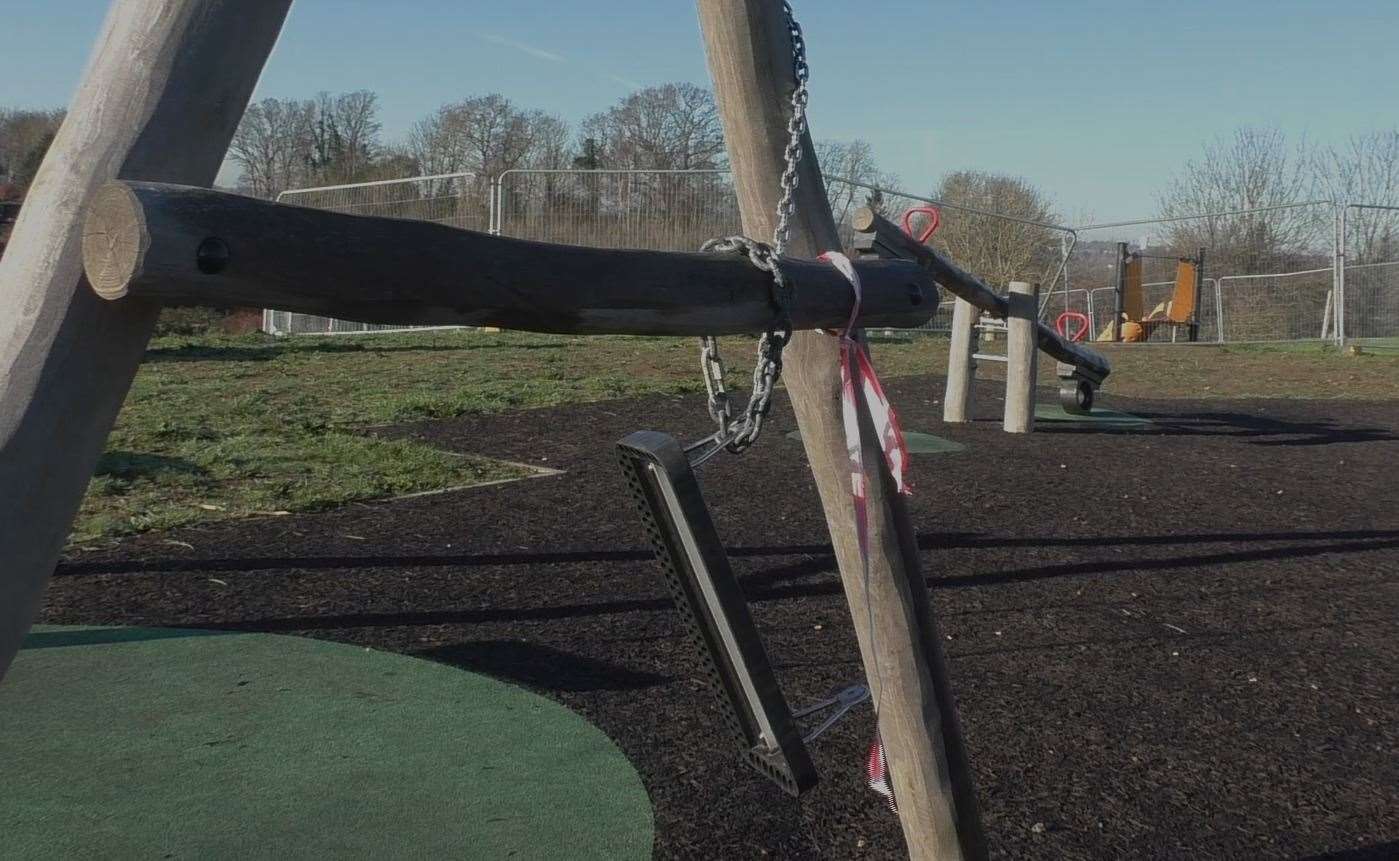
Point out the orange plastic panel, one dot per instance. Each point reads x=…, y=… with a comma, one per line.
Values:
x=1132, y=298
x=1183, y=301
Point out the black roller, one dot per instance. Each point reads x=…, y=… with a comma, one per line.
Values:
x=1076, y=397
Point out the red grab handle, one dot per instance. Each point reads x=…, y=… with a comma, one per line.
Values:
x=934, y=222
x=1062, y=325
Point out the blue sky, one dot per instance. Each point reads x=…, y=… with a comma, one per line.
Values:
x=1096, y=102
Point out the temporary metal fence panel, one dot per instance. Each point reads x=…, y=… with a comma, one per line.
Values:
x=1372, y=302
x=662, y=210
x=1238, y=245
x=1280, y=306
x=454, y=199
x=1368, y=273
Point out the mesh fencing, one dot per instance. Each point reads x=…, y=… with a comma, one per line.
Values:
x=1261, y=268
x=1372, y=302
x=654, y=209
x=1370, y=274
x=1281, y=306
x=457, y=200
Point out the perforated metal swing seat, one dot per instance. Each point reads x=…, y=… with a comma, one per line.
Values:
x=699, y=576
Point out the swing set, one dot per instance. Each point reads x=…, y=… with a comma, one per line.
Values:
x=122, y=222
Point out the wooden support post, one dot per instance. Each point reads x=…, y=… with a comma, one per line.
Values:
x=1199, y=288
x=961, y=366
x=749, y=50
x=1119, y=294
x=1021, y=358
x=164, y=90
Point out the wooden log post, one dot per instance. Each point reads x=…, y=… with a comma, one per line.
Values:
x=749, y=51
x=181, y=245
x=163, y=92
x=1119, y=294
x=1021, y=354
x=961, y=364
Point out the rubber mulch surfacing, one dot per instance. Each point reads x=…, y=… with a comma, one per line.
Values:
x=1170, y=639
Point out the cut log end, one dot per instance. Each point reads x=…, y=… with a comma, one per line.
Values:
x=863, y=220
x=115, y=240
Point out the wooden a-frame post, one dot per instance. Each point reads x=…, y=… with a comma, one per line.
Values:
x=750, y=60
x=163, y=93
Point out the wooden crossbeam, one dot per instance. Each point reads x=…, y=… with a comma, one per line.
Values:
x=179, y=245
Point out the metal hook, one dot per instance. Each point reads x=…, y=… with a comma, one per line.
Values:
x=699, y=452
x=843, y=701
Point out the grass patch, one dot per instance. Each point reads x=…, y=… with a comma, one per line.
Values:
x=1306, y=370
x=219, y=426
x=231, y=426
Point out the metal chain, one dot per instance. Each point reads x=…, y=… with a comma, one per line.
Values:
x=765, y=257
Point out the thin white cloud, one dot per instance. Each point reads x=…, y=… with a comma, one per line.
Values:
x=626, y=82
x=538, y=53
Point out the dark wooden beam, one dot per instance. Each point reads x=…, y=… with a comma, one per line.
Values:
x=178, y=245
x=879, y=235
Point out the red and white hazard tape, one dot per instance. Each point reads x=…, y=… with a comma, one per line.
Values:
x=877, y=770
x=857, y=375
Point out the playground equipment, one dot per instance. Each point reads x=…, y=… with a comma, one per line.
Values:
x=1081, y=370
x=117, y=197
x=696, y=568
x=1078, y=318
x=1131, y=323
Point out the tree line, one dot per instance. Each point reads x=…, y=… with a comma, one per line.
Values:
x=338, y=138
x=1260, y=169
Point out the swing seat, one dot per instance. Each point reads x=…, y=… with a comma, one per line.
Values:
x=1179, y=310
x=715, y=611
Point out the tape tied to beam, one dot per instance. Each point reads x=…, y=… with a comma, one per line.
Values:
x=857, y=375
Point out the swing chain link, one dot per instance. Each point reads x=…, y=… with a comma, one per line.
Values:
x=765, y=257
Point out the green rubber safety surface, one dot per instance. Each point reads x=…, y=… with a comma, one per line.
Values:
x=158, y=743
x=1099, y=416
x=917, y=442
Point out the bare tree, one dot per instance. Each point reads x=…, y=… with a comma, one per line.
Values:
x=854, y=161
x=434, y=146
x=24, y=138
x=1255, y=169
x=392, y=162
x=273, y=145
x=999, y=250
x=290, y=143
x=669, y=127
x=550, y=142
x=1366, y=171
x=487, y=134
x=345, y=136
